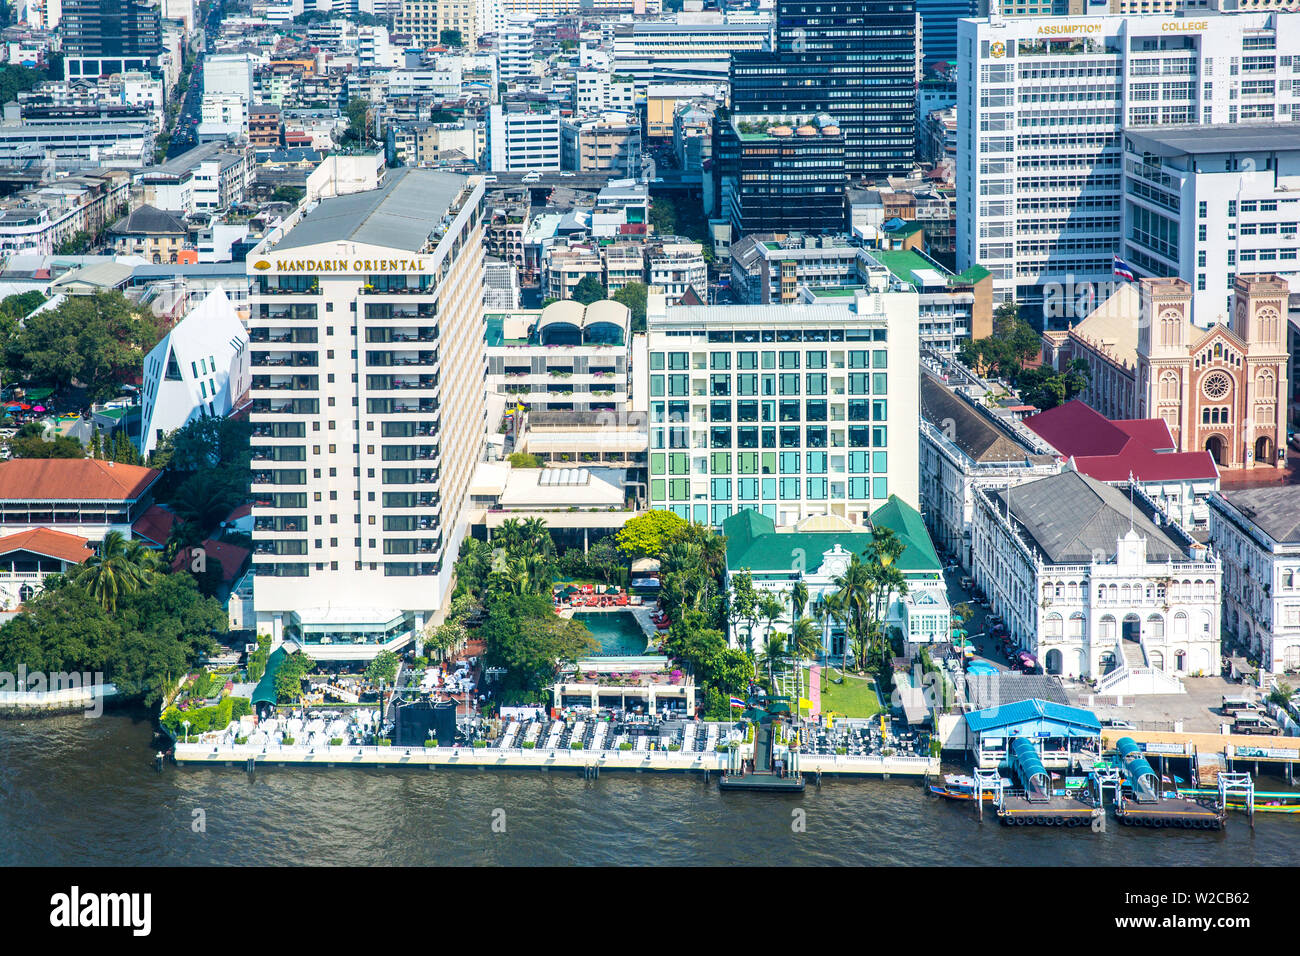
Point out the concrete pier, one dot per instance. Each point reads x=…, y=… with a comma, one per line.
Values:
x=540, y=759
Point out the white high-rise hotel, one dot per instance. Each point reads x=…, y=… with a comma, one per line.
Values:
x=368, y=413
x=1044, y=193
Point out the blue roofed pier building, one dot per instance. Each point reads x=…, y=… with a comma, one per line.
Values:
x=1060, y=736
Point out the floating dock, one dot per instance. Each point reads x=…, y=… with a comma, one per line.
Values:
x=1055, y=811
x=1184, y=813
x=243, y=755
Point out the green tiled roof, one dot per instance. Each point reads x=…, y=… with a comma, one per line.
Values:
x=906, y=229
x=754, y=543
x=971, y=276
x=902, y=262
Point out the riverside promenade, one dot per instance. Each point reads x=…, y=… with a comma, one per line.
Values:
x=536, y=759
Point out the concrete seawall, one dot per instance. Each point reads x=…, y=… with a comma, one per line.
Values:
x=18, y=704
x=437, y=757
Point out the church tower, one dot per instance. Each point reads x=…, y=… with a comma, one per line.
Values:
x=1259, y=310
x=1162, y=353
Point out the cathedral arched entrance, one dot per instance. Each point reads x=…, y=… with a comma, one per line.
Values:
x=1264, y=450
x=1214, y=445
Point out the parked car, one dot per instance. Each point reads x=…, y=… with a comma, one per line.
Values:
x=1114, y=723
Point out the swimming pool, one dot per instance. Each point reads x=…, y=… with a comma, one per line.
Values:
x=618, y=633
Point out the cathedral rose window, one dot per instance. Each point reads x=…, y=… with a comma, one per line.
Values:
x=1216, y=385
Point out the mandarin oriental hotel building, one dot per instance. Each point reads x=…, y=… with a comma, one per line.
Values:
x=368, y=410
x=793, y=411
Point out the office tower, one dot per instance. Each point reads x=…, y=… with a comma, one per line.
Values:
x=791, y=410
x=939, y=26
x=855, y=62
x=368, y=408
x=1042, y=175
x=102, y=37
x=785, y=175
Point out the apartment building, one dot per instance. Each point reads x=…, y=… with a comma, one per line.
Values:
x=521, y=138
x=793, y=411
x=565, y=357
x=367, y=335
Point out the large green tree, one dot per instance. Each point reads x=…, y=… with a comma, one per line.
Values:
x=588, y=290
x=526, y=637
x=648, y=535
x=633, y=295
x=96, y=341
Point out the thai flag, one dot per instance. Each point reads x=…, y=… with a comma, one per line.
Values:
x=737, y=702
x=1122, y=269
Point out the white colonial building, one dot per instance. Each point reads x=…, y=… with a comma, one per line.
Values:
x=1093, y=587
x=964, y=448
x=817, y=552
x=1256, y=534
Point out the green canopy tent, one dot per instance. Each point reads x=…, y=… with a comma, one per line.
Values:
x=264, y=692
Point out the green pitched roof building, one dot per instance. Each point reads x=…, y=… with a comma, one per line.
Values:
x=818, y=550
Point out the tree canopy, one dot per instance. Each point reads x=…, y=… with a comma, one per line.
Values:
x=527, y=638
x=588, y=290
x=154, y=635
x=647, y=535
x=97, y=341
x=633, y=295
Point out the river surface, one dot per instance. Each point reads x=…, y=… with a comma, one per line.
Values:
x=84, y=792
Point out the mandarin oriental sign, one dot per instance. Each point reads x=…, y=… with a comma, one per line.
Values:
x=318, y=266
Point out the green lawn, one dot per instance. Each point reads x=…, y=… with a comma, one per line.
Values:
x=856, y=697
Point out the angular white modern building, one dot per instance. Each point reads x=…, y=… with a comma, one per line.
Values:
x=200, y=368
x=368, y=408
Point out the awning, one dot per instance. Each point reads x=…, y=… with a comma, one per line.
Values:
x=264, y=693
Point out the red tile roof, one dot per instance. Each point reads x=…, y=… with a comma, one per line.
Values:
x=1077, y=429
x=51, y=543
x=1111, y=450
x=73, y=479
x=240, y=511
x=155, y=525
x=231, y=556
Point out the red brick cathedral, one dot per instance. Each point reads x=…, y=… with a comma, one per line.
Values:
x=1222, y=389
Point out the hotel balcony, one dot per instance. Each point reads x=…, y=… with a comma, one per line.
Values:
x=428, y=359
x=293, y=383
x=268, y=312
x=384, y=383
x=280, y=336
x=283, y=359
x=383, y=336
x=295, y=406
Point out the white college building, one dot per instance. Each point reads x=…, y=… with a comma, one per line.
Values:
x=1090, y=585
x=1044, y=103
x=1256, y=533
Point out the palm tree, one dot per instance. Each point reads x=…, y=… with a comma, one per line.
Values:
x=798, y=599
x=773, y=656
x=116, y=569
x=854, y=590
x=203, y=501
x=804, y=641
